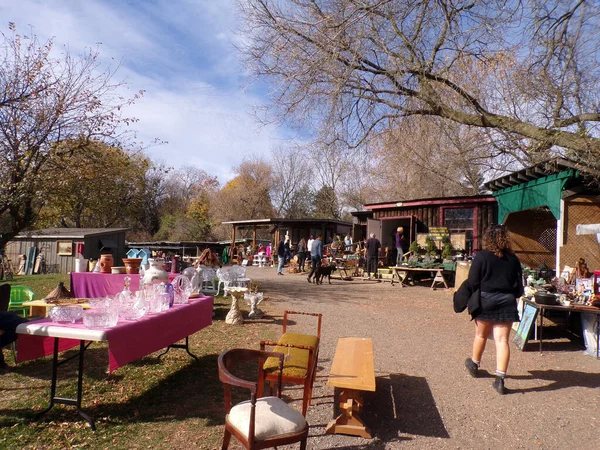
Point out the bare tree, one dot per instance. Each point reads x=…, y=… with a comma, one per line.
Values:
x=526, y=71
x=45, y=101
x=291, y=177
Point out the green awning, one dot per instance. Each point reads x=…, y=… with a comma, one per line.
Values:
x=545, y=191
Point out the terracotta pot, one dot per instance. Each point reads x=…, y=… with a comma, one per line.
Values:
x=132, y=265
x=106, y=263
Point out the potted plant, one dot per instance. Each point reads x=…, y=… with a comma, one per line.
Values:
x=431, y=247
x=447, y=252
x=415, y=248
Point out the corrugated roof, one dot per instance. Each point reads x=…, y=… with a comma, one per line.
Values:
x=67, y=233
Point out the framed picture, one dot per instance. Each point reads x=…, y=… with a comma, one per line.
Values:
x=528, y=318
x=64, y=248
x=584, y=284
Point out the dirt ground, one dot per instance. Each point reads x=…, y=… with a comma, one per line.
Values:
x=425, y=397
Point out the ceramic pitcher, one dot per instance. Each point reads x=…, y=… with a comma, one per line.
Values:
x=156, y=273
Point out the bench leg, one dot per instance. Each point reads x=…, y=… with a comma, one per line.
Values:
x=349, y=422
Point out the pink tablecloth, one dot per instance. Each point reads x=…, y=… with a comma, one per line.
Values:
x=96, y=285
x=130, y=340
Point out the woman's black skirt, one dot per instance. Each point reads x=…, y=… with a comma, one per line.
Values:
x=498, y=307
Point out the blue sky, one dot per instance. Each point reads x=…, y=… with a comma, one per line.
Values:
x=181, y=52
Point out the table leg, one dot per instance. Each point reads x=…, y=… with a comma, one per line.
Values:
x=397, y=274
x=68, y=401
x=541, y=327
x=349, y=422
x=597, y=333
x=185, y=346
x=438, y=278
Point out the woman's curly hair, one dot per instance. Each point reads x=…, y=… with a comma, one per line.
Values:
x=496, y=240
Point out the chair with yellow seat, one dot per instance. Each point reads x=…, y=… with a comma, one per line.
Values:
x=18, y=295
x=301, y=356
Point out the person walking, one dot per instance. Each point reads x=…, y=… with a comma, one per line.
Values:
x=301, y=254
x=280, y=256
x=309, y=244
x=316, y=254
x=496, y=272
x=400, y=245
x=372, y=253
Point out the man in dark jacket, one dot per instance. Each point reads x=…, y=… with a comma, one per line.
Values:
x=372, y=254
x=280, y=256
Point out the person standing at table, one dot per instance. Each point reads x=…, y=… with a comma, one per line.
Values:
x=8, y=325
x=372, y=253
x=496, y=272
x=400, y=245
x=316, y=254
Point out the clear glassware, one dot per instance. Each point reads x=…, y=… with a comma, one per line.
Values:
x=131, y=306
x=66, y=313
x=182, y=288
x=96, y=318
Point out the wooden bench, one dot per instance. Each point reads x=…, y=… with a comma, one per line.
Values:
x=353, y=372
x=301, y=355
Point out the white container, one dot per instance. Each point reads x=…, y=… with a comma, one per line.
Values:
x=156, y=273
x=81, y=265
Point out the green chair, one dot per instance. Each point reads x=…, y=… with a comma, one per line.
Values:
x=18, y=295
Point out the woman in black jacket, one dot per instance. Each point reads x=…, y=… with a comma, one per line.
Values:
x=496, y=272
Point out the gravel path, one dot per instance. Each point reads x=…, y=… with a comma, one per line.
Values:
x=425, y=397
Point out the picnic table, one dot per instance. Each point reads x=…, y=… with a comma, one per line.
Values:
x=128, y=341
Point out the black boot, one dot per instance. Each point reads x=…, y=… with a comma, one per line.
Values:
x=472, y=367
x=498, y=384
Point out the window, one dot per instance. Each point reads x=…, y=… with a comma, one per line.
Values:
x=458, y=219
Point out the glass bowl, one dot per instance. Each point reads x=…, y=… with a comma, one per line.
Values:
x=97, y=318
x=66, y=313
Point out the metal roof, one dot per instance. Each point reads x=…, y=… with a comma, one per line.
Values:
x=68, y=233
x=426, y=201
x=537, y=171
x=279, y=221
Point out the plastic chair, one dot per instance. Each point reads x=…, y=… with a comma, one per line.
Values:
x=18, y=295
x=208, y=280
x=239, y=276
x=227, y=278
x=261, y=422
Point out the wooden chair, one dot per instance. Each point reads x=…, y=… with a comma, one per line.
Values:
x=261, y=422
x=300, y=363
x=18, y=295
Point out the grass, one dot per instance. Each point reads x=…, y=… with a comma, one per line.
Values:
x=41, y=285
x=173, y=403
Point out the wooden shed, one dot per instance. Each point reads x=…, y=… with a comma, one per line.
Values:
x=541, y=207
x=297, y=229
x=60, y=247
x=465, y=216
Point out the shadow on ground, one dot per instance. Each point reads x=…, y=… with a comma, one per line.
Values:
x=559, y=379
x=401, y=407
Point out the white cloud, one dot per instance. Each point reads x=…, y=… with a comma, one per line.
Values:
x=181, y=54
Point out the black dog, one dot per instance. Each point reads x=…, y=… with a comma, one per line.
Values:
x=323, y=271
